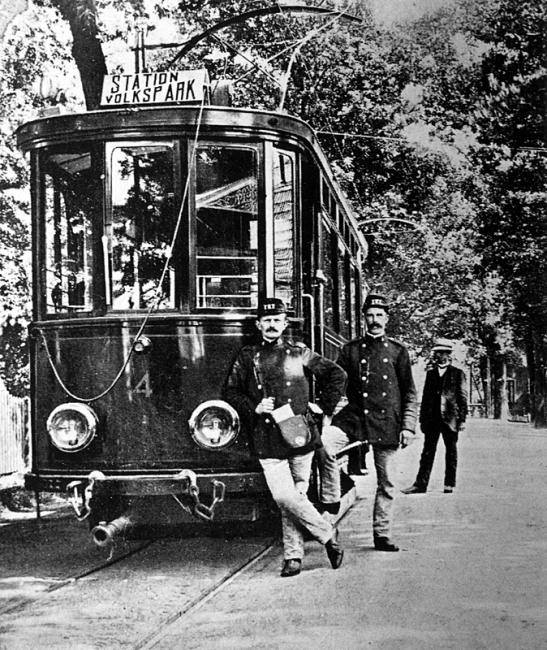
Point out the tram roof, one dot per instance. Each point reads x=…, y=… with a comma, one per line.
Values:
x=166, y=121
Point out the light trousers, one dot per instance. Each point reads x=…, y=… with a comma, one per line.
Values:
x=288, y=481
x=334, y=439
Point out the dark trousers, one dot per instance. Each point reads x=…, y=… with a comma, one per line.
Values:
x=431, y=437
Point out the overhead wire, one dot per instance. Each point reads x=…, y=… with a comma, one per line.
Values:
x=315, y=92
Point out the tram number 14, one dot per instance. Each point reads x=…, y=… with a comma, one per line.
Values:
x=143, y=386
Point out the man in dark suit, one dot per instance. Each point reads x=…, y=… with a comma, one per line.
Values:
x=381, y=408
x=442, y=413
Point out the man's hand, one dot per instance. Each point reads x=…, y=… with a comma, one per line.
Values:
x=407, y=438
x=266, y=405
x=461, y=427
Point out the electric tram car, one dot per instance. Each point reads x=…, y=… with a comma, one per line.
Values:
x=155, y=231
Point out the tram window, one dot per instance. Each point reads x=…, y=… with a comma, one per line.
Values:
x=328, y=259
x=226, y=228
x=341, y=222
x=142, y=225
x=333, y=208
x=343, y=291
x=325, y=194
x=356, y=300
x=72, y=184
x=283, y=215
x=354, y=328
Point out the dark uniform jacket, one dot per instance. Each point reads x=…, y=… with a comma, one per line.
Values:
x=381, y=392
x=278, y=370
x=444, y=400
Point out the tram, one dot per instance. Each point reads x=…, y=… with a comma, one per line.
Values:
x=156, y=228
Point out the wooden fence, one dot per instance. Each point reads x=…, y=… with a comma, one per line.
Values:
x=14, y=432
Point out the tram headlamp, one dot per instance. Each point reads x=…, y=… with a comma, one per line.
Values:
x=214, y=424
x=72, y=426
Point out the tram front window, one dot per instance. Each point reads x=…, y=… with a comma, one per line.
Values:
x=226, y=227
x=142, y=226
x=72, y=201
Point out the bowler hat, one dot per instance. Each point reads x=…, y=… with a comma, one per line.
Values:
x=442, y=345
x=270, y=307
x=375, y=300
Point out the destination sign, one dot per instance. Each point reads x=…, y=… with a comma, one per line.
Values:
x=170, y=87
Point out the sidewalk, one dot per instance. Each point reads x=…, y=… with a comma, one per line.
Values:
x=17, y=504
x=472, y=572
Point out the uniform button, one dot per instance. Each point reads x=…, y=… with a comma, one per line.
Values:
x=289, y=400
x=287, y=351
x=386, y=360
x=259, y=386
x=366, y=411
x=287, y=383
x=385, y=345
x=383, y=410
x=364, y=378
x=363, y=360
x=363, y=345
x=384, y=394
x=365, y=394
x=267, y=420
x=385, y=376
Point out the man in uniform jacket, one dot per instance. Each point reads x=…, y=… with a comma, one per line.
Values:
x=264, y=377
x=381, y=408
x=442, y=413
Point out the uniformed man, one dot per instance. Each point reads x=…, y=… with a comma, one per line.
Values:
x=265, y=378
x=381, y=408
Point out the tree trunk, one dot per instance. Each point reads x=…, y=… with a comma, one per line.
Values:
x=504, y=403
x=487, y=379
x=86, y=48
x=537, y=365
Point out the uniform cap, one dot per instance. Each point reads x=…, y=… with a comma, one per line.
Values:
x=442, y=345
x=375, y=300
x=270, y=307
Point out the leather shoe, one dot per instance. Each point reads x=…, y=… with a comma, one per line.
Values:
x=413, y=489
x=335, y=552
x=448, y=489
x=384, y=544
x=291, y=568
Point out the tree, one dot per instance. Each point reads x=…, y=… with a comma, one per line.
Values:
x=87, y=51
x=513, y=222
x=30, y=45
x=432, y=157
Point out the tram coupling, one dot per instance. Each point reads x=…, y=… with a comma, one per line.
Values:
x=182, y=487
x=105, y=534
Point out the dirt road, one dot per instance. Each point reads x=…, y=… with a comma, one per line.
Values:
x=472, y=573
